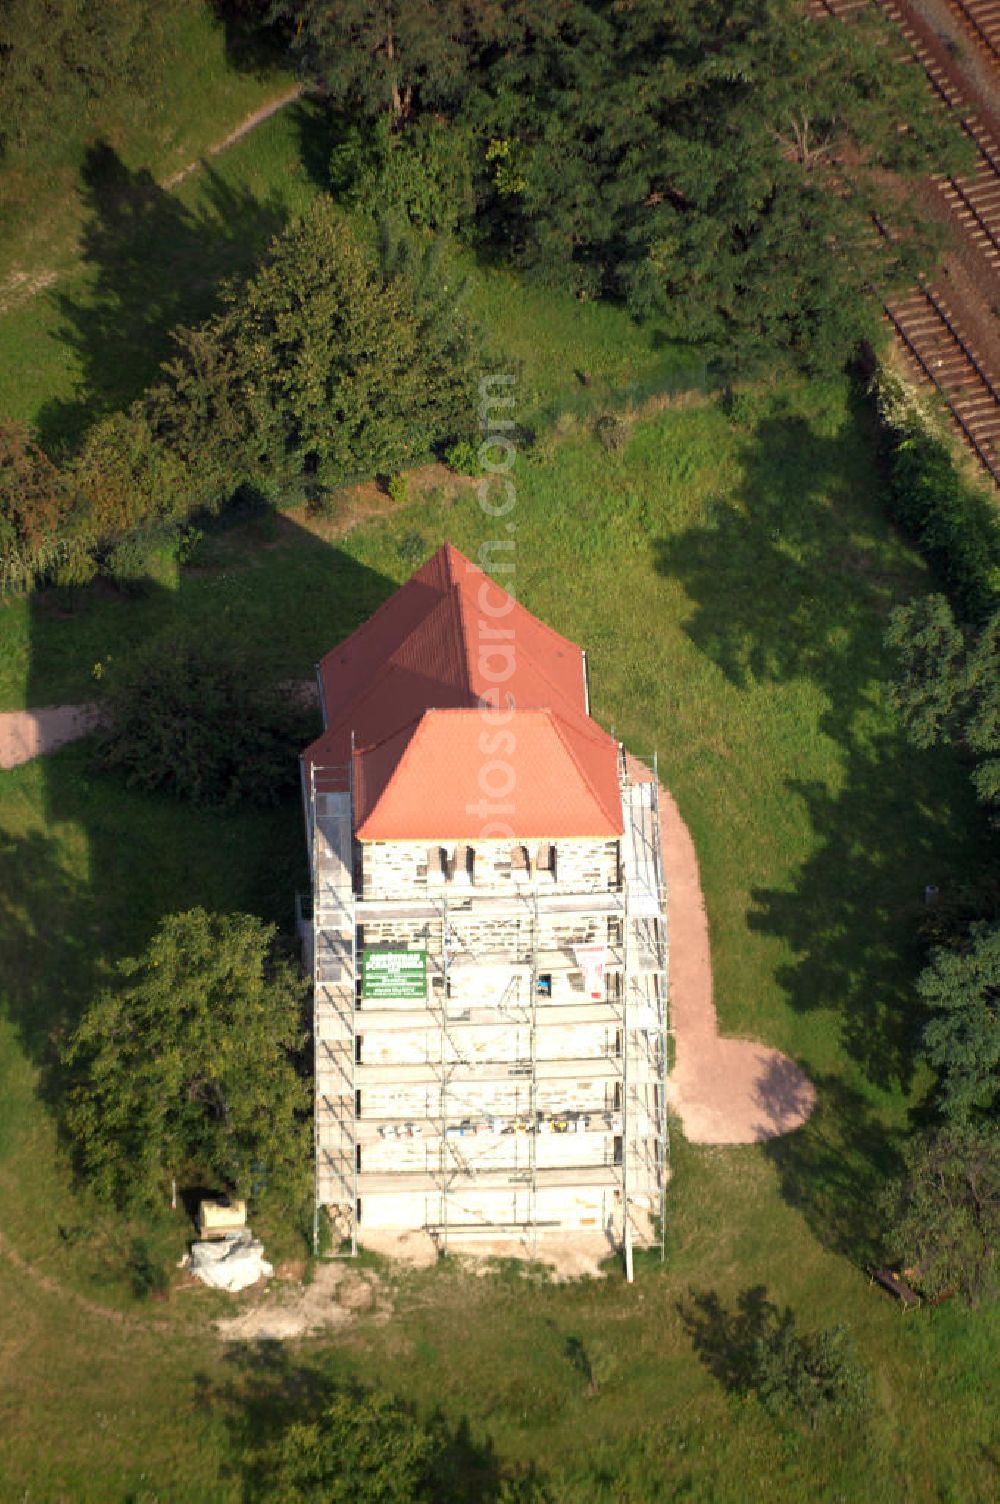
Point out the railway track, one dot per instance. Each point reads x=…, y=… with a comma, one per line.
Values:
x=981, y=21
x=938, y=352
x=973, y=198
x=933, y=340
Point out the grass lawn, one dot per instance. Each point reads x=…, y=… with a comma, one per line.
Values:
x=731, y=585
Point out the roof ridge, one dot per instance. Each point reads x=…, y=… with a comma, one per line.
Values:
x=392, y=735
x=556, y=720
x=407, y=749
x=456, y=595
x=464, y=589
x=477, y=569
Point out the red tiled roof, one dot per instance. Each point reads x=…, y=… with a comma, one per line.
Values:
x=410, y=686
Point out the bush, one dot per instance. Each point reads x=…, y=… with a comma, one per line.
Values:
x=194, y=716
x=952, y=522
x=362, y=1450
x=399, y=487
x=187, y=543
x=126, y=480
x=35, y=502
x=612, y=431
x=423, y=172
x=943, y=1212
x=129, y=563
x=463, y=458
x=808, y=1375
x=757, y=1349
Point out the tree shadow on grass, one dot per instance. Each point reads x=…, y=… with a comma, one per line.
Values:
x=725, y=1340
x=270, y=1389
x=792, y=580
x=833, y=1168
x=251, y=46
x=153, y=263
x=47, y=924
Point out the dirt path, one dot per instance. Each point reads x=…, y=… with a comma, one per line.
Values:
x=250, y=123
x=725, y=1091
x=63, y=1293
x=25, y=734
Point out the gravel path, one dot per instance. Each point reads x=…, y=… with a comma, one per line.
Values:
x=725, y=1091
x=25, y=734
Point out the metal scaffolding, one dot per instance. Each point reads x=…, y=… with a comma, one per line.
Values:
x=530, y=927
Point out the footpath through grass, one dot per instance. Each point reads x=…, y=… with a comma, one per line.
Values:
x=731, y=585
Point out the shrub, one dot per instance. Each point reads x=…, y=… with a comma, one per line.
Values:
x=187, y=543
x=943, y=1212
x=194, y=716
x=361, y=1450
x=399, y=487
x=808, y=1375
x=125, y=479
x=953, y=523
x=74, y=568
x=757, y=1349
x=35, y=501
x=129, y=563
x=743, y=409
x=423, y=172
x=612, y=431
x=463, y=458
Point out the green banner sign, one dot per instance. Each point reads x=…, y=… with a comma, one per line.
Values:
x=398, y=974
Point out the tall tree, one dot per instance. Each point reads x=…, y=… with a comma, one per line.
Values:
x=190, y=1066
x=324, y=367
x=716, y=164
x=961, y=988
x=947, y=689
x=943, y=1212
x=394, y=57
x=931, y=679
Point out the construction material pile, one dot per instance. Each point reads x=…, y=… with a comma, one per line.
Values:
x=232, y=1263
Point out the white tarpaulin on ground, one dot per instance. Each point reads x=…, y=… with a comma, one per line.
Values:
x=232, y=1263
